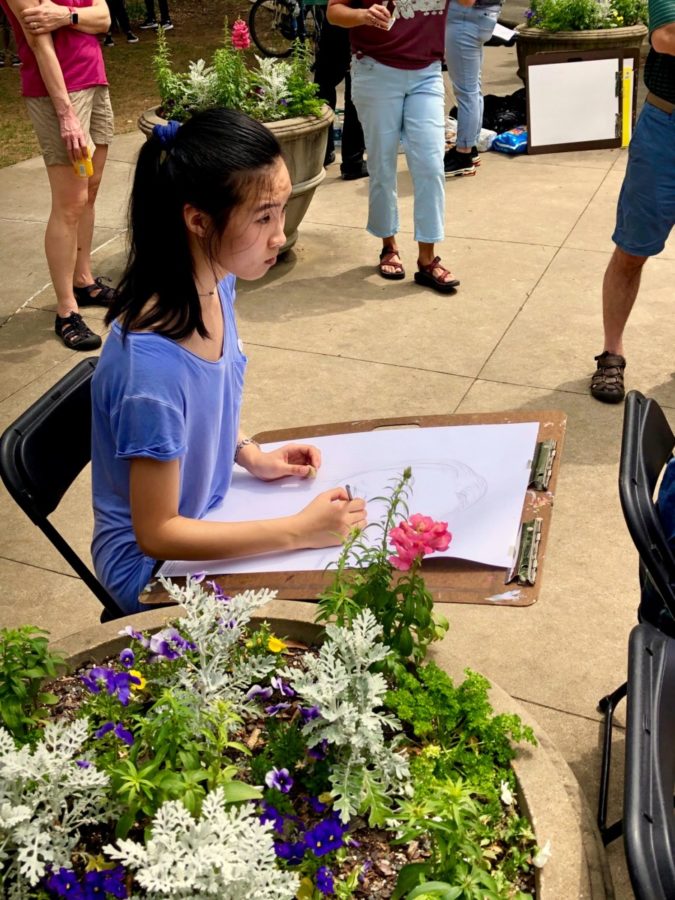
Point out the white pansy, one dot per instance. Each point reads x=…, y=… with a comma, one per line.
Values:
x=506, y=796
x=542, y=856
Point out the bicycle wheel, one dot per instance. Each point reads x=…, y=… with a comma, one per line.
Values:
x=273, y=26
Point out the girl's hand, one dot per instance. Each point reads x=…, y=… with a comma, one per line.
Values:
x=73, y=136
x=301, y=460
x=330, y=518
x=377, y=15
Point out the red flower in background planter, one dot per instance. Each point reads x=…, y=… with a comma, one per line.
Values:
x=241, y=37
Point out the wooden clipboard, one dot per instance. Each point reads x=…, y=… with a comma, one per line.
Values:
x=449, y=580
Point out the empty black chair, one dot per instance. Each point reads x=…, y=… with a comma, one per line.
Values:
x=648, y=822
x=41, y=455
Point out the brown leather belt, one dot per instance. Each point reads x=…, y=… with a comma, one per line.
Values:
x=660, y=104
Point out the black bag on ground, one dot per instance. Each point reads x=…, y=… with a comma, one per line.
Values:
x=502, y=113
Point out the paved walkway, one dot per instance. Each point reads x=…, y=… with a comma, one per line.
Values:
x=327, y=338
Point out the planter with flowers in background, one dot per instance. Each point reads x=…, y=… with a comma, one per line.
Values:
x=279, y=93
x=579, y=25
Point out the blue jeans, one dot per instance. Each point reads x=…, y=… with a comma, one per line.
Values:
x=408, y=105
x=467, y=29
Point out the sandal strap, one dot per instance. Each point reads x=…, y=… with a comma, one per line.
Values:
x=436, y=264
x=387, y=259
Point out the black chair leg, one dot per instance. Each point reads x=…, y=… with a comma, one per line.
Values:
x=607, y=706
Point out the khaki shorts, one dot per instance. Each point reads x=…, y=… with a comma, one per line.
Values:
x=92, y=107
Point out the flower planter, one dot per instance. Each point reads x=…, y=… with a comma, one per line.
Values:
x=538, y=40
x=303, y=143
x=548, y=791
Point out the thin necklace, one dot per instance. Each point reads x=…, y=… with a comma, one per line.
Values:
x=209, y=293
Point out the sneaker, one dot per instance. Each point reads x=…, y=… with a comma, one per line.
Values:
x=16, y=62
x=131, y=38
x=108, y=41
x=167, y=25
x=475, y=156
x=456, y=163
x=75, y=333
x=149, y=23
x=329, y=159
x=2, y=62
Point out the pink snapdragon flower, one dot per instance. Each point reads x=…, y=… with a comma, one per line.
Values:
x=417, y=537
x=241, y=37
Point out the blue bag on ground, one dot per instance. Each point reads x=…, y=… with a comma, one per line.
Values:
x=513, y=141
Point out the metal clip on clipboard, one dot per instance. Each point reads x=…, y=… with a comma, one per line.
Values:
x=524, y=569
x=542, y=465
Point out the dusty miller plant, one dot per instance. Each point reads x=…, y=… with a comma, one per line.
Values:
x=46, y=795
x=350, y=700
x=228, y=853
x=217, y=669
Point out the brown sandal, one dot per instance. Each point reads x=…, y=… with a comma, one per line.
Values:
x=607, y=381
x=387, y=259
x=425, y=276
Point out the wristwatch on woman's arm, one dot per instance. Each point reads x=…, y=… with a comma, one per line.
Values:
x=74, y=17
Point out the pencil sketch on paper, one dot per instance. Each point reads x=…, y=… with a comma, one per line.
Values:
x=474, y=477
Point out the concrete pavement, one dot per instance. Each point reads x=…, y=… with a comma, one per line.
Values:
x=328, y=339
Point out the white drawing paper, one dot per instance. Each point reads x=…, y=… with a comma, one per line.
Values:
x=473, y=477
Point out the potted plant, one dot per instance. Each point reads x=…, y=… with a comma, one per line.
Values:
x=279, y=93
x=213, y=758
x=580, y=25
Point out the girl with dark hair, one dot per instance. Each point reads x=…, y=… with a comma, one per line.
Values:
x=207, y=206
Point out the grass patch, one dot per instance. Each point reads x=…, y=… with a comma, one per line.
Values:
x=198, y=31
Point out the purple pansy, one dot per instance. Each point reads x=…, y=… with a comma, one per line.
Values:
x=319, y=751
x=324, y=881
x=309, y=712
x=218, y=592
x=64, y=883
x=135, y=635
x=258, y=692
x=272, y=814
x=280, y=685
x=317, y=805
x=107, y=881
x=276, y=708
x=119, y=730
x=127, y=658
x=279, y=779
x=169, y=644
x=291, y=852
x=83, y=763
x=97, y=678
x=326, y=836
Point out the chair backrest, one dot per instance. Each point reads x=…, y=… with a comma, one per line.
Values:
x=647, y=446
x=44, y=451
x=649, y=818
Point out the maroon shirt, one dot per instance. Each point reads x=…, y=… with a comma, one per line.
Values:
x=415, y=40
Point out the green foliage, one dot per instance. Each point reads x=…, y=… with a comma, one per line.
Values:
x=25, y=664
x=275, y=89
x=460, y=721
x=365, y=579
x=582, y=15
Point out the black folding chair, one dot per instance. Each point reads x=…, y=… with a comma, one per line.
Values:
x=41, y=455
x=648, y=824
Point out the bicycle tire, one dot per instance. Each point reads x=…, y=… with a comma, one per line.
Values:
x=272, y=26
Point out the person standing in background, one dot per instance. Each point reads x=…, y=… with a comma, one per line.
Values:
x=8, y=48
x=332, y=66
x=646, y=210
x=469, y=25
x=65, y=87
x=164, y=17
x=119, y=16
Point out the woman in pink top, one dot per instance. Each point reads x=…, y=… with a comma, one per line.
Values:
x=64, y=84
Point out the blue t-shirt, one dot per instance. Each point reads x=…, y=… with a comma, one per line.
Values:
x=153, y=398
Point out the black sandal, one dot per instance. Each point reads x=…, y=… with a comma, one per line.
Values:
x=75, y=333
x=96, y=294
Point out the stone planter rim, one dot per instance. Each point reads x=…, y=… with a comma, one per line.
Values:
x=547, y=788
x=623, y=31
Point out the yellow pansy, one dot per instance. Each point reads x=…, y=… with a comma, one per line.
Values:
x=275, y=645
x=136, y=674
